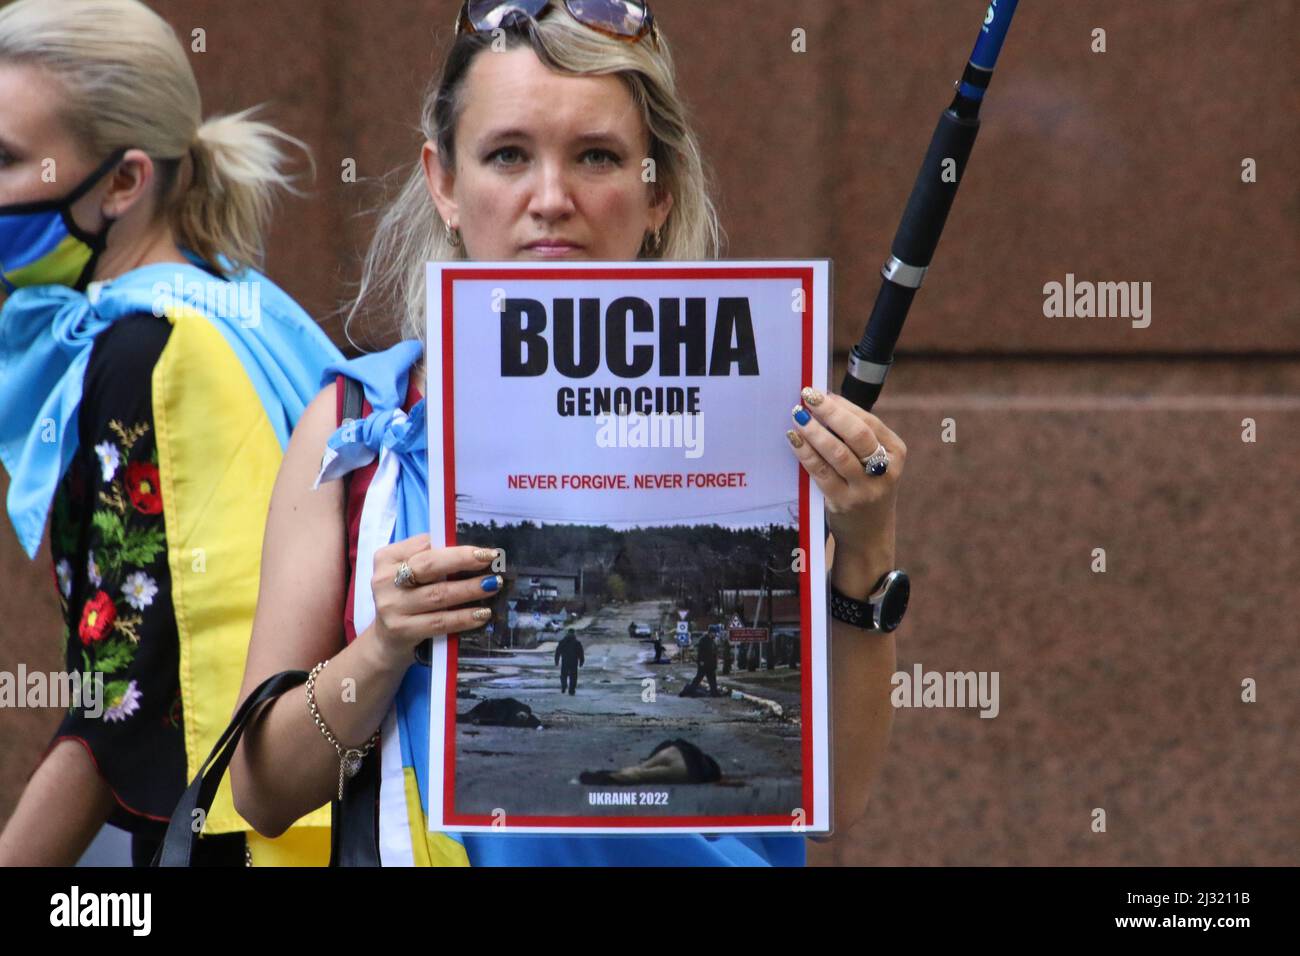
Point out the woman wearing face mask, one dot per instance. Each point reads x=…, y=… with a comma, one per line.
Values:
x=141, y=357
x=510, y=171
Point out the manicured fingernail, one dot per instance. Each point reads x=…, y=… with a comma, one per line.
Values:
x=801, y=415
x=794, y=438
x=484, y=554
x=482, y=614
x=491, y=583
x=811, y=396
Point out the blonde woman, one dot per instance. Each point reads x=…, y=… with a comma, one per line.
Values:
x=537, y=131
x=150, y=378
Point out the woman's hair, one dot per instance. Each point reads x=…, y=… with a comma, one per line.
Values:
x=126, y=83
x=391, y=295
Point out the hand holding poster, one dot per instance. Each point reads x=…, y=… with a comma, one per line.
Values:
x=618, y=429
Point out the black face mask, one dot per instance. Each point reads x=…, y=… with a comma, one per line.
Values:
x=41, y=244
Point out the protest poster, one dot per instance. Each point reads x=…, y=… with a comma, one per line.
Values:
x=619, y=430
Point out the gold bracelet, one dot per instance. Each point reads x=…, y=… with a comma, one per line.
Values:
x=349, y=757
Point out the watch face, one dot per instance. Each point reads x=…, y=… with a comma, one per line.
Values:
x=895, y=602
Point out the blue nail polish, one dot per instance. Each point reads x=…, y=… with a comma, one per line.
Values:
x=490, y=583
x=801, y=415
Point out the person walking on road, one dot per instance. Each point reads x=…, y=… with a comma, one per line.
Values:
x=707, y=655
x=569, y=651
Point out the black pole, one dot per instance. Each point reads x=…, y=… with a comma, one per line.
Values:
x=927, y=210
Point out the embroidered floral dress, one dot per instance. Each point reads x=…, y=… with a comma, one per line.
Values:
x=109, y=547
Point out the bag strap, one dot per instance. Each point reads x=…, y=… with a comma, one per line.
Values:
x=353, y=399
x=354, y=822
x=182, y=836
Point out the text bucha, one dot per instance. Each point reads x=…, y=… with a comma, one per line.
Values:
x=628, y=340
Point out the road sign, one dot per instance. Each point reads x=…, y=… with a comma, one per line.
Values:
x=683, y=614
x=747, y=635
x=512, y=618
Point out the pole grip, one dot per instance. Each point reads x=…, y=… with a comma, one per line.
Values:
x=935, y=189
x=914, y=244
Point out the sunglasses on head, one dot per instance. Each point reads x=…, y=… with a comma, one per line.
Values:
x=628, y=20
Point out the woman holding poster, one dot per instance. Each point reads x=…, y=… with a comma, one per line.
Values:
x=555, y=132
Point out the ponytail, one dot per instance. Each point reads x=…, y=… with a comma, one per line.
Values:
x=224, y=210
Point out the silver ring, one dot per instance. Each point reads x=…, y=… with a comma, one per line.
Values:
x=877, y=463
x=405, y=577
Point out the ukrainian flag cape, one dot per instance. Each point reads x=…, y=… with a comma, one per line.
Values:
x=397, y=507
x=240, y=365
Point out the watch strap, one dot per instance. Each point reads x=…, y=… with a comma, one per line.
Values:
x=851, y=611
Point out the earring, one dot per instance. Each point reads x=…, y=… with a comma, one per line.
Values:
x=652, y=240
x=453, y=235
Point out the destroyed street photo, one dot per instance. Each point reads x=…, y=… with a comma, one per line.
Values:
x=653, y=671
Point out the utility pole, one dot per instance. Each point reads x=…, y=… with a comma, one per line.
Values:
x=767, y=584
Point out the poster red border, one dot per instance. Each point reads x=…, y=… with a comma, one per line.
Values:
x=450, y=276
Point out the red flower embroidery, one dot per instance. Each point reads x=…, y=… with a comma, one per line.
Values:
x=97, y=618
x=142, y=485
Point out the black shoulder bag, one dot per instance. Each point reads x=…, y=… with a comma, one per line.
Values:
x=354, y=832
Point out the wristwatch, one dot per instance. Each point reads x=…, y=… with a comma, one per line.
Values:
x=882, y=611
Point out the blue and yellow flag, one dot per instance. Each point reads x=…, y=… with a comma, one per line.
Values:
x=241, y=364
